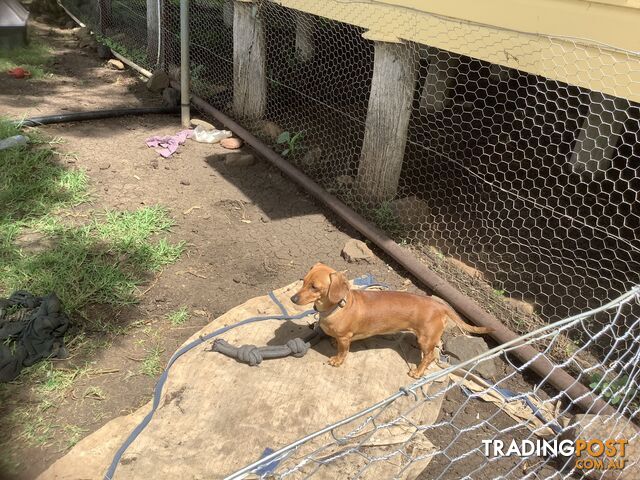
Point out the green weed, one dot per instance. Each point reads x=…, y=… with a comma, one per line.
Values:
x=178, y=317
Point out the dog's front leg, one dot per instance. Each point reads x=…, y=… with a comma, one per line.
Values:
x=343, y=348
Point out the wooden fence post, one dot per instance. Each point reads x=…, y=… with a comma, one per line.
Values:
x=387, y=121
x=249, y=62
x=153, y=31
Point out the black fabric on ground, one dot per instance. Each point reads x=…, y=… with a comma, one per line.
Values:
x=31, y=329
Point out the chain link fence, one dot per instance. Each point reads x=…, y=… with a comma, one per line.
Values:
x=508, y=162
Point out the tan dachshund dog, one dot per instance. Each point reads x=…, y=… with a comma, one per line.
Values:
x=349, y=315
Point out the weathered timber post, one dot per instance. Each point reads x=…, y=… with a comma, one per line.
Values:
x=387, y=121
x=153, y=31
x=599, y=135
x=249, y=62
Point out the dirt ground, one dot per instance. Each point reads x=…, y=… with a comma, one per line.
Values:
x=248, y=230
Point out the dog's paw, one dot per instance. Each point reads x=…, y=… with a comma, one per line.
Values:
x=335, y=361
x=413, y=373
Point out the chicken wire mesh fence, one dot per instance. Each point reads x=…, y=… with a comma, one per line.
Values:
x=508, y=183
x=454, y=423
x=508, y=162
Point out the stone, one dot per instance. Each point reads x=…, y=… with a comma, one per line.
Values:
x=410, y=211
x=520, y=305
x=31, y=241
x=312, y=157
x=462, y=348
x=468, y=269
x=356, y=251
x=158, y=81
x=170, y=97
x=604, y=427
x=272, y=130
x=206, y=125
x=345, y=181
x=104, y=52
x=239, y=160
x=115, y=64
x=231, y=143
x=185, y=182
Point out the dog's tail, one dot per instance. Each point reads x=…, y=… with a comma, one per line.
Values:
x=451, y=313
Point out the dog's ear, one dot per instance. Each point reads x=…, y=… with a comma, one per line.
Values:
x=338, y=288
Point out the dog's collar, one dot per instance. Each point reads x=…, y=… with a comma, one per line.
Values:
x=341, y=304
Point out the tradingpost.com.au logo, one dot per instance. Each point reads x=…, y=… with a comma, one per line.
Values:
x=592, y=454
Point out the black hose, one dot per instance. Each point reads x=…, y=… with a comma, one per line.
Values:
x=94, y=115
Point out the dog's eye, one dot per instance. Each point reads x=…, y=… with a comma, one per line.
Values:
x=313, y=287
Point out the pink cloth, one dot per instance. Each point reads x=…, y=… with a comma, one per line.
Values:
x=167, y=146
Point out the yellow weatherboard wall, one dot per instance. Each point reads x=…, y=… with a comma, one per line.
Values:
x=594, y=44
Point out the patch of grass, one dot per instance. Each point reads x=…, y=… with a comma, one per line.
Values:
x=33, y=426
x=102, y=262
x=95, y=393
x=151, y=365
x=178, y=317
x=136, y=55
x=34, y=57
x=74, y=434
x=384, y=217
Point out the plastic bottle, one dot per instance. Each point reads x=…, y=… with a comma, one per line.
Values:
x=15, y=141
x=210, y=136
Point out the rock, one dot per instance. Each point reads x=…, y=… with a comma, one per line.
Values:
x=174, y=73
x=104, y=166
x=272, y=130
x=469, y=270
x=158, y=81
x=239, y=160
x=170, y=97
x=31, y=241
x=115, y=64
x=206, y=125
x=231, y=143
x=345, y=181
x=104, y=52
x=356, y=251
x=86, y=43
x=604, y=427
x=154, y=163
x=185, y=182
x=410, y=211
x=312, y=157
x=520, y=305
x=462, y=348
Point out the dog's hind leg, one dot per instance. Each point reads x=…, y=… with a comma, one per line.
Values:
x=427, y=346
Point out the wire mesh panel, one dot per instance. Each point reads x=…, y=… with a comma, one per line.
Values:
x=455, y=424
x=130, y=27
x=510, y=184
x=508, y=162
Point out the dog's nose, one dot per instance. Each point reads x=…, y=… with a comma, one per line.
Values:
x=295, y=298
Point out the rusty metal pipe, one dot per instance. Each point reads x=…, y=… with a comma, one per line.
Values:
x=579, y=394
